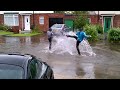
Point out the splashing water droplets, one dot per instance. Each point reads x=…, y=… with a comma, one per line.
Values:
x=63, y=44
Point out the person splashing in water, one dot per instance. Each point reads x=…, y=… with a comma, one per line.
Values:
x=80, y=36
x=50, y=37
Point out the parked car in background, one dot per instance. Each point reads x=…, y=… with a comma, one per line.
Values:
x=17, y=66
x=59, y=29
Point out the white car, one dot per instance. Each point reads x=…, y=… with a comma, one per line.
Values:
x=59, y=29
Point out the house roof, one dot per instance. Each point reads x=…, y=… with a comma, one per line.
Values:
x=108, y=12
x=2, y=12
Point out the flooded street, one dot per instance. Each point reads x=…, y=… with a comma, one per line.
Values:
x=104, y=65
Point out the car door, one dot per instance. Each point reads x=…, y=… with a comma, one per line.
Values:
x=39, y=70
x=32, y=70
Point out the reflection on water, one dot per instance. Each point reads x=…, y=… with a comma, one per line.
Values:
x=18, y=44
x=106, y=63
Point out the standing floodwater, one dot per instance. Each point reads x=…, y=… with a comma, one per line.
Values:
x=105, y=65
x=63, y=44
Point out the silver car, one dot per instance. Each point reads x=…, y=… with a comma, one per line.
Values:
x=59, y=29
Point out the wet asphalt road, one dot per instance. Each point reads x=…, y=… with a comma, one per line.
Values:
x=105, y=65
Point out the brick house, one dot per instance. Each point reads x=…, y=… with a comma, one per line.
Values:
x=107, y=19
x=25, y=21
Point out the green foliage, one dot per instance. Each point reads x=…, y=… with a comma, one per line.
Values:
x=4, y=27
x=114, y=35
x=91, y=30
x=60, y=12
x=36, y=30
x=80, y=22
x=80, y=12
x=81, y=19
x=99, y=28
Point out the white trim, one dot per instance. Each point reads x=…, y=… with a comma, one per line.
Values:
x=43, y=20
x=112, y=21
x=28, y=22
x=13, y=16
x=89, y=20
x=2, y=12
x=107, y=14
x=103, y=23
x=103, y=20
x=26, y=14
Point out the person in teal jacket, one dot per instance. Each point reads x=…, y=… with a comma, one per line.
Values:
x=80, y=36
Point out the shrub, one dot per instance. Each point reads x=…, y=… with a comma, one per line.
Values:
x=91, y=30
x=36, y=30
x=4, y=27
x=99, y=28
x=114, y=35
x=80, y=21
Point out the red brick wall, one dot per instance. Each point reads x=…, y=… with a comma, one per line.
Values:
x=1, y=19
x=44, y=27
x=15, y=28
x=116, y=21
x=94, y=19
x=52, y=15
x=69, y=17
x=20, y=22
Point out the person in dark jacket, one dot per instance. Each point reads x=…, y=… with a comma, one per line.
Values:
x=50, y=37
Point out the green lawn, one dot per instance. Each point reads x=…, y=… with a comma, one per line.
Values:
x=23, y=34
x=5, y=33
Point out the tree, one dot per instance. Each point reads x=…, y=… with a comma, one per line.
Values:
x=61, y=12
x=81, y=19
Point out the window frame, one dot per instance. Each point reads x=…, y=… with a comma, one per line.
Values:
x=13, y=17
x=41, y=20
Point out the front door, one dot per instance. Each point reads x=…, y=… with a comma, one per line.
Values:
x=107, y=24
x=69, y=23
x=27, y=22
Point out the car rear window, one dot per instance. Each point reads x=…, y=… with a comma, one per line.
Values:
x=11, y=71
x=57, y=26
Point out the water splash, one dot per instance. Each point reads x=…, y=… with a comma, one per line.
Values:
x=86, y=49
x=63, y=44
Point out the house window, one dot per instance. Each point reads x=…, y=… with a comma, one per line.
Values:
x=11, y=19
x=41, y=20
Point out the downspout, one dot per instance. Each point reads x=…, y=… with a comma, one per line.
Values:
x=33, y=20
x=22, y=22
x=112, y=21
x=103, y=23
x=98, y=18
